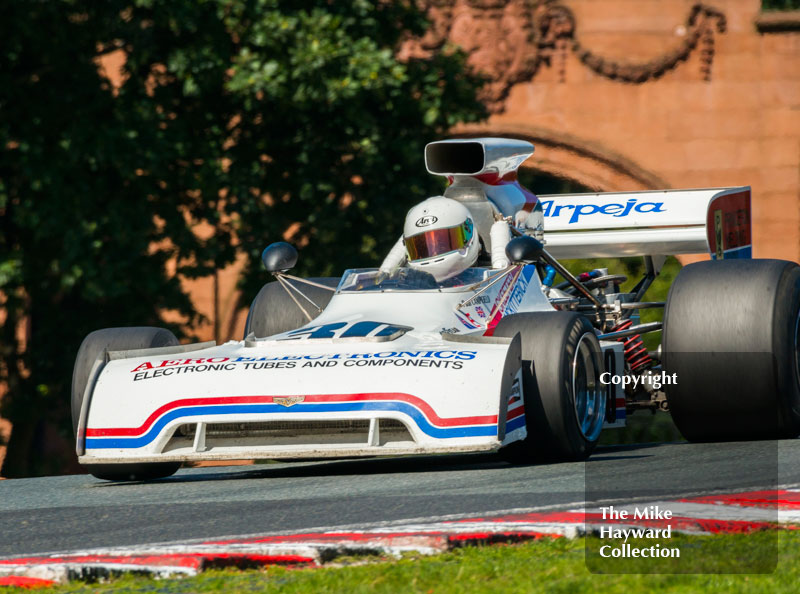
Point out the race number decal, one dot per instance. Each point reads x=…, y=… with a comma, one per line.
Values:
x=375, y=331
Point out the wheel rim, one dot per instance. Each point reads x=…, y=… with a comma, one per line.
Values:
x=589, y=394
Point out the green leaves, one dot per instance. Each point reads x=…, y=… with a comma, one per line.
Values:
x=10, y=272
x=244, y=118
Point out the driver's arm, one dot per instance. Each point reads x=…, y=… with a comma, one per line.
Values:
x=500, y=235
x=394, y=259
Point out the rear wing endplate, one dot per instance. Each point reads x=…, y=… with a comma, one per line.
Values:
x=662, y=222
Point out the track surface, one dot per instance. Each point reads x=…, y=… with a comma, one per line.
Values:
x=71, y=512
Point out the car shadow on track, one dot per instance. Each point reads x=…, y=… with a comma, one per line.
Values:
x=359, y=466
x=377, y=466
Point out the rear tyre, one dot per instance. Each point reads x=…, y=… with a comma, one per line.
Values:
x=731, y=337
x=94, y=346
x=273, y=311
x=564, y=399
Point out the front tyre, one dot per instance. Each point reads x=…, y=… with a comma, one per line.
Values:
x=564, y=399
x=93, y=347
x=133, y=472
x=274, y=312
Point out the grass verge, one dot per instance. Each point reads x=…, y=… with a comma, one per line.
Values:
x=549, y=565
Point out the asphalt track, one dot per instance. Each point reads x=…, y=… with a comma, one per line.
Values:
x=73, y=512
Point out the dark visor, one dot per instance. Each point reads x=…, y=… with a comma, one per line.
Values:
x=438, y=241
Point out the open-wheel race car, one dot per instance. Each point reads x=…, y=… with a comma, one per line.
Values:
x=507, y=358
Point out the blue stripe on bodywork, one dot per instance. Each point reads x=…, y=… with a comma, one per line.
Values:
x=515, y=424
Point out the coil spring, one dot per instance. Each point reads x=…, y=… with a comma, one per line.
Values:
x=635, y=352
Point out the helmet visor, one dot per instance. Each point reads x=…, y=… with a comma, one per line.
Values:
x=438, y=241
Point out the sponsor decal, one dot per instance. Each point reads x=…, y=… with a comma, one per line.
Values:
x=471, y=320
x=174, y=362
x=478, y=299
x=515, y=413
x=443, y=359
x=362, y=329
x=417, y=354
x=480, y=311
x=515, y=300
x=403, y=363
x=466, y=320
x=288, y=401
x=168, y=371
x=728, y=226
x=426, y=221
x=576, y=211
x=503, y=295
x=268, y=364
x=515, y=395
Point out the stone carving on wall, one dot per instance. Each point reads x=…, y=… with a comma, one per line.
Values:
x=509, y=41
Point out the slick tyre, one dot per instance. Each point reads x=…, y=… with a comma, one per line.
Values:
x=731, y=336
x=94, y=347
x=274, y=312
x=564, y=399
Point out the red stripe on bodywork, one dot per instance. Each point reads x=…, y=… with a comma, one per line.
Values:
x=495, y=179
x=503, y=295
x=513, y=414
x=426, y=409
x=510, y=178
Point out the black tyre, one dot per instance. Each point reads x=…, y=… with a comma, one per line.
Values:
x=274, y=312
x=731, y=339
x=94, y=347
x=564, y=399
x=133, y=472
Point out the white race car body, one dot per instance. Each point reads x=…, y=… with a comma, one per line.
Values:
x=378, y=372
x=399, y=368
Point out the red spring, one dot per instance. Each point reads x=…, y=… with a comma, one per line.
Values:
x=635, y=352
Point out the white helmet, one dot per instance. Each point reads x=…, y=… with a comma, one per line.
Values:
x=440, y=237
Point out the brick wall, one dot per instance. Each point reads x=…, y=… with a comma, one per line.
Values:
x=742, y=126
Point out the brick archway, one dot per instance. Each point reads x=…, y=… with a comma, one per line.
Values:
x=565, y=155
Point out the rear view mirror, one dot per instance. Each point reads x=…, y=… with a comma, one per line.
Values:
x=279, y=257
x=524, y=249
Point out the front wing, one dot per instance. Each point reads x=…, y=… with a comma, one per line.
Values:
x=272, y=399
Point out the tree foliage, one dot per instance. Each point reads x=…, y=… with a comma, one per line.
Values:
x=246, y=118
x=780, y=4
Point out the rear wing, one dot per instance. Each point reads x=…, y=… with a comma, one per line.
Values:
x=662, y=222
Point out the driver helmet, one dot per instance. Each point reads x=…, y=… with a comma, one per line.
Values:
x=440, y=238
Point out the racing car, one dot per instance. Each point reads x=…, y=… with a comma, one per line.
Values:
x=506, y=360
